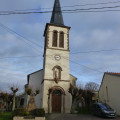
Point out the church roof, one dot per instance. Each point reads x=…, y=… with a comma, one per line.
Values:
x=57, y=17
x=73, y=77
x=35, y=72
x=28, y=76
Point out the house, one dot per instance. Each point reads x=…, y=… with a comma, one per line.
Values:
x=54, y=79
x=21, y=99
x=109, y=90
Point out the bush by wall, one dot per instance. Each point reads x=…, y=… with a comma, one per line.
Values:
x=20, y=112
x=39, y=112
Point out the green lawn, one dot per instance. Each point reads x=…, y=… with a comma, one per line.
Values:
x=6, y=116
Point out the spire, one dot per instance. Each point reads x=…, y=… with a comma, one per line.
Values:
x=57, y=17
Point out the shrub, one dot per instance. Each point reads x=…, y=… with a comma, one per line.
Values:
x=29, y=91
x=39, y=112
x=21, y=112
x=37, y=91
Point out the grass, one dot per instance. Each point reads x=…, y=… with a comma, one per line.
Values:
x=6, y=116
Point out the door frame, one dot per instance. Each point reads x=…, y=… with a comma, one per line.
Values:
x=62, y=98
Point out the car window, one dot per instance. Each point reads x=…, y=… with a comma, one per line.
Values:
x=105, y=106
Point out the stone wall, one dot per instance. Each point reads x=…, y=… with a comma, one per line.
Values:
x=22, y=118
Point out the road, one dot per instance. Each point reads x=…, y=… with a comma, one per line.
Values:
x=76, y=117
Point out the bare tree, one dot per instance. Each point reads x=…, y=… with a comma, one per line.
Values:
x=31, y=104
x=80, y=95
x=87, y=95
x=76, y=97
x=80, y=86
x=92, y=86
x=14, y=90
x=30, y=92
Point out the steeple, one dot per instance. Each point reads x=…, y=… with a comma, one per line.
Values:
x=57, y=17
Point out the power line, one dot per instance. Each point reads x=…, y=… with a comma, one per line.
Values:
x=13, y=13
x=19, y=57
x=93, y=11
x=64, y=57
x=9, y=29
x=96, y=51
x=51, y=55
x=92, y=4
x=66, y=11
x=61, y=7
x=92, y=8
x=86, y=66
x=23, y=38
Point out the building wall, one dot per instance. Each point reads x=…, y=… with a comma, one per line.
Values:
x=50, y=62
x=35, y=81
x=51, y=52
x=73, y=80
x=59, y=29
x=109, y=92
x=68, y=99
x=47, y=73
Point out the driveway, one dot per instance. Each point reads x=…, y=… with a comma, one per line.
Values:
x=75, y=117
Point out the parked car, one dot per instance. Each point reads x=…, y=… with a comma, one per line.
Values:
x=103, y=110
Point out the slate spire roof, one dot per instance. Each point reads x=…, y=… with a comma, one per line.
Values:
x=57, y=17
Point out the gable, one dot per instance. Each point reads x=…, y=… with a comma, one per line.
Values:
x=109, y=78
x=34, y=74
x=72, y=77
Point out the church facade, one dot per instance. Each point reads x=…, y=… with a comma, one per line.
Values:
x=54, y=79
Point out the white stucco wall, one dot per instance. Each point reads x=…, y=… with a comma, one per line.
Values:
x=110, y=95
x=35, y=80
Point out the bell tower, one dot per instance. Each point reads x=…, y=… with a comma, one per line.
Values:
x=56, y=49
x=56, y=62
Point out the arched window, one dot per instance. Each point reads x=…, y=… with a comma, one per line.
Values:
x=57, y=92
x=57, y=73
x=61, y=40
x=54, y=42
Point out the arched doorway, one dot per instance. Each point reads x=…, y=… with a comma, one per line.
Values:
x=56, y=100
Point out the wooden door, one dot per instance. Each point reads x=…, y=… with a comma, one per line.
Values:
x=56, y=103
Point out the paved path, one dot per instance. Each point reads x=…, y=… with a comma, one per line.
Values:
x=75, y=117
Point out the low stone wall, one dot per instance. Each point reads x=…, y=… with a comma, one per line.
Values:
x=22, y=118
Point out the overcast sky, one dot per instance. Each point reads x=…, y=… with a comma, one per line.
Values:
x=90, y=31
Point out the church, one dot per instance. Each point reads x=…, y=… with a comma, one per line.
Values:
x=54, y=79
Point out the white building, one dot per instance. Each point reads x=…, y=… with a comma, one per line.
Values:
x=109, y=90
x=54, y=79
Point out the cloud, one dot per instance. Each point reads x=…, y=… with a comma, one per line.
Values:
x=89, y=32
